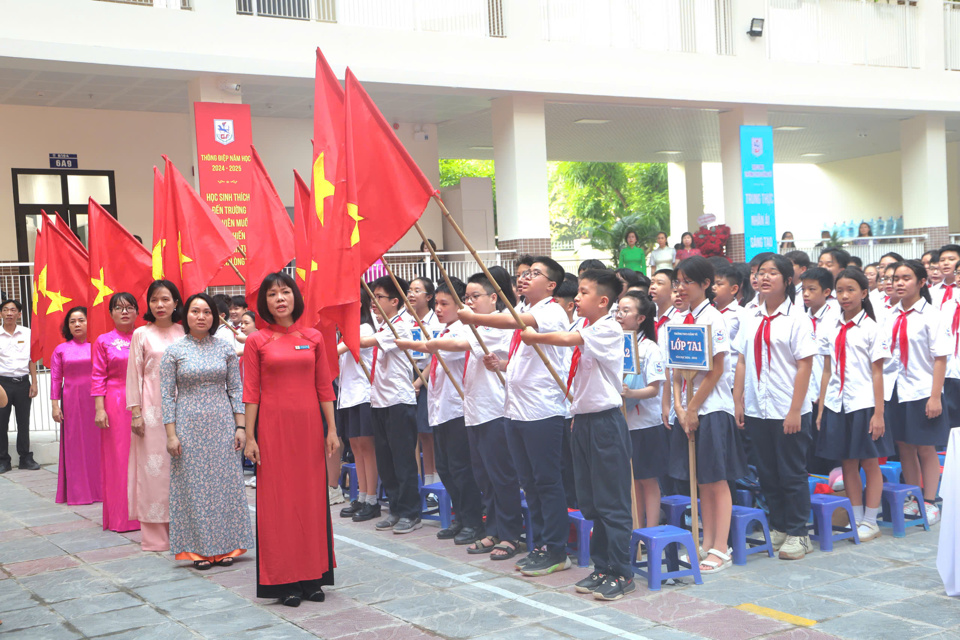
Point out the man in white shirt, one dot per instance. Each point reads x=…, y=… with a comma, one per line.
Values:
x=15, y=366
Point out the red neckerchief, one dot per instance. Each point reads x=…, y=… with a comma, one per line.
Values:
x=947, y=294
x=900, y=336
x=575, y=361
x=763, y=337
x=434, y=360
x=953, y=327
x=840, y=351
x=376, y=350
x=515, y=339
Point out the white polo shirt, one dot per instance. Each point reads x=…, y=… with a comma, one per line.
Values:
x=599, y=376
x=672, y=315
x=354, y=384
x=430, y=320
x=721, y=398
x=938, y=293
x=578, y=323
x=644, y=414
x=953, y=360
x=864, y=347
x=928, y=337
x=482, y=390
x=731, y=316
x=392, y=374
x=444, y=403
x=791, y=339
x=823, y=318
x=14, y=352
x=532, y=393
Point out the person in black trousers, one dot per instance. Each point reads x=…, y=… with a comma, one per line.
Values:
x=18, y=379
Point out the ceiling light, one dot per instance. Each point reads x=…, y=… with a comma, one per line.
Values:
x=670, y=153
x=482, y=148
x=590, y=121
x=810, y=155
x=789, y=127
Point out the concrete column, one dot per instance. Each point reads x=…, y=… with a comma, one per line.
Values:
x=685, y=183
x=923, y=171
x=932, y=45
x=520, y=161
x=730, y=122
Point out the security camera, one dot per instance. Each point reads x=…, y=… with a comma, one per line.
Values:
x=230, y=87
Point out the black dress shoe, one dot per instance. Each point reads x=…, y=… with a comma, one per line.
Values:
x=349, y=512
x=468, y=535
x=317, y=596
x=450, y=532
x=5, y=466
x=27, y=462
x=290, y=601
x=367, y=512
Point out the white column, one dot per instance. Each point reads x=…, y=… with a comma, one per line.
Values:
x=923, y=171
x=932, y=45
x=685, y=184
x=520, y=161
x=730, y=122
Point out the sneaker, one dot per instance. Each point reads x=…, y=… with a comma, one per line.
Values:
x=27, y=462
x=522, y=562
x=369, y=512
x=796, y=547
x=335, y=495
x=546, y=564
x=591, y=582
x=614, y=588
x=251, y=482
x=868, y=531
x=911, y=508
x=777, y=538
x=352, y=510
x=406, y=525
x=387, y=523
x=933, y=513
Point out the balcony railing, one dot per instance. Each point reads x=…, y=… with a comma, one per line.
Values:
x=859, y=32
x=951, y=34
x=186, y=5
x=691, y=26
x=867, y=249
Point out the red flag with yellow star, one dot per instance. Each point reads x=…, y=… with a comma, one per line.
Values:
x=193, y=238
x=159, y=241
x=66, y=285
x=303, y=230
x=270, y=240
x=39, y=286
x=117, y=263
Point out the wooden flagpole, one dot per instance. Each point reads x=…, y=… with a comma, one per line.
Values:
x=236, y=271
x=423, y=327
x=456, y=298
x=386, y=320
x=688, y=375
x=512, y=309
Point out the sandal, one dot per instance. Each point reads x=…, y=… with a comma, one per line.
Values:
x=478, y=547
x=509, y=551
x=201, y=565
x=713, y=566
x=224, y=562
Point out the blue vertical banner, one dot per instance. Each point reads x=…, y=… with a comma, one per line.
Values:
x=756, y=160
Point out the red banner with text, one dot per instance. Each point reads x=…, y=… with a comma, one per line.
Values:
x=224, y=136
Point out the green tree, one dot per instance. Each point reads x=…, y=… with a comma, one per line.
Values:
x=452, y=169
x=602, y=200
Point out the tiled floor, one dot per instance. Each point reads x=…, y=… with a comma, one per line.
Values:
x=62, y=577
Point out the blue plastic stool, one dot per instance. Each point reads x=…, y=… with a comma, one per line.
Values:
x=350, y=469
x=661, y=540
x=444, y=512
x=674, y=508
x=527, y=524
x=891, y=472
x=584, y=527
x=739, y=523
x=822, y=507
x=892, y=514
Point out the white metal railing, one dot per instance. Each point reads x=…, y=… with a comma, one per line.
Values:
x=145, y=3
x=951, y=34
x=458, y=264
x=293, y=9
x=692, y=26
x=867, y=249
x=860, y=32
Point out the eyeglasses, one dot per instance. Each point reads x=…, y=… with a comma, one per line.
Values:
x=381, y=297
x=125, y=309
x=530, y=274
x=676, y=283
x=622, y=312
x=476, y=297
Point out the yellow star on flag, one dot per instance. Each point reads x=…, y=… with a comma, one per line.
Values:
x=323, y=188
x=183, y=259
x=40, y=289
x=102, y=289
x=158, y=259
x=57, y=301
x=302, y=273
x=352, y=212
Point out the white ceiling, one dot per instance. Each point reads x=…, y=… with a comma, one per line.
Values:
x=634, y=133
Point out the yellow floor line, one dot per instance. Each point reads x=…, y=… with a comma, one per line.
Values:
x=776, y=615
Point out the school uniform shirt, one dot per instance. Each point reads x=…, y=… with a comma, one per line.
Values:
x=825, y=317
x=224, y=333
x=598, y=371
x=721, y=398
x=482, y=390
x=392, y=382
x=731, y=315
x=942, y=293
x=769, y=395
x=878, y=299
x=927, y=337
x=864, y=346
x=14, y=352
x=430, y=320
x=644, y=414
x=444, y=403
x=672, y=315
x=951, y=317
x=532, y=393
x=354, y=384
x=578, y=323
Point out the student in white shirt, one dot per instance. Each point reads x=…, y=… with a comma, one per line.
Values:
x=946, y=289
x=353, y=404
x=483, y=415
x=534, y=411
x=776, y=349
x=18, y=378
x=226, y=332
x=851, y=423
x=834, y=260
x=420, y=295
x=601, y=442
x=726, y=288
x=920, y=341
x=801, y=262
x=641, y=393
x=565, y=295
x=661, y=292
x=446, y=419
x=393, y=408
x=704, y=408
x=880, y=297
